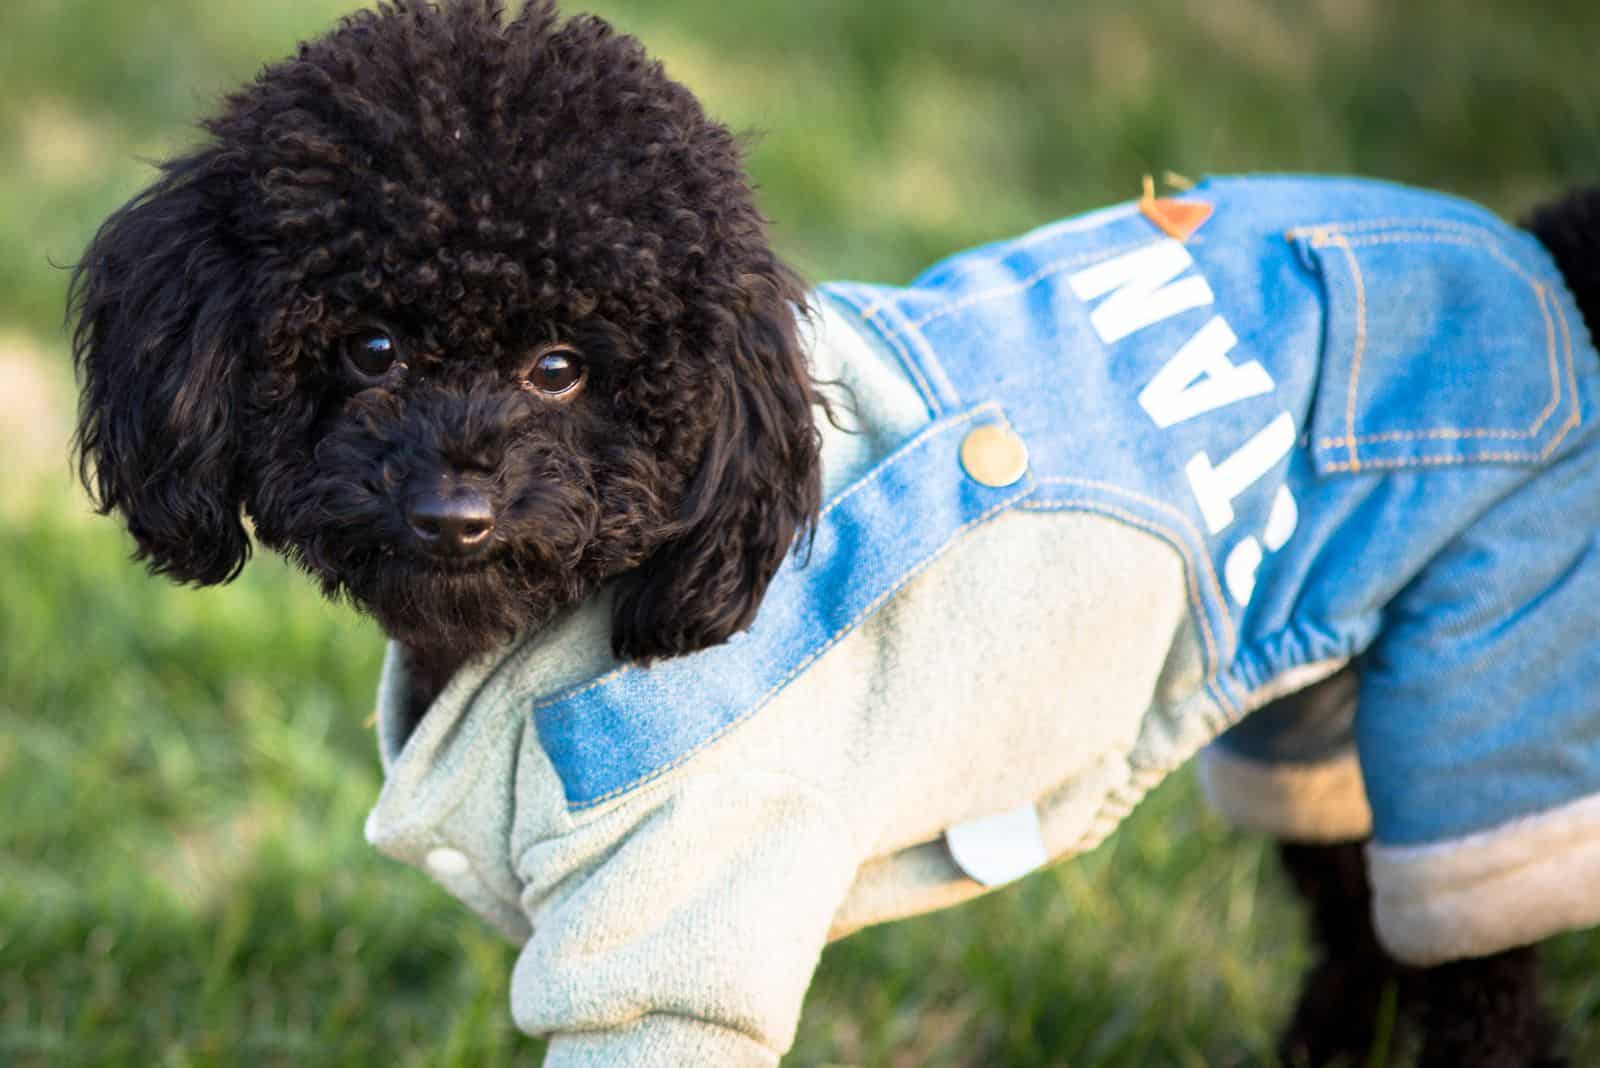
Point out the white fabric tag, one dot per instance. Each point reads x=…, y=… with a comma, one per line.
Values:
x=996, y=849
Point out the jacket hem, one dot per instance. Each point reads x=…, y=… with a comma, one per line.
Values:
x=1483, y=893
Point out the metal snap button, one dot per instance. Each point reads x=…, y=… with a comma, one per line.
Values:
x=994, y=456
x=446, y=862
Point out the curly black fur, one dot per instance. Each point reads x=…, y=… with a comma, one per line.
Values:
x=1489, y=1013
x=1484, y=1013
x=477, y=187
x=1570, y=229
x=1338, y=1016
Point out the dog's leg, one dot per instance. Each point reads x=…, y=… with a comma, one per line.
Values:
x=1354, y=986
x=1343, y=997
x=1488, y=1013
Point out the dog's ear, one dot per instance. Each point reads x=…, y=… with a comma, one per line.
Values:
x=160, y=302
x=757, y=490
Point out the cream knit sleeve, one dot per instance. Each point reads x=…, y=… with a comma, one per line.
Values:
x=688, y=927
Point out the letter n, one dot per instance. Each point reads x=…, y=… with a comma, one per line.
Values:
x=1142, y=289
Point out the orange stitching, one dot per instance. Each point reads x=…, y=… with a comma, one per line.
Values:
x=1545, y=300
x=815, y=655
x=1472, y=238
x=1322, y=230
x=1455, y=433
x=592, y=684
x=1149, y=526
x=1576, y=418
x=1445, y=461
x=1566, y=347
x=911, y=445
x=897, y=337
x=929, y=397
x=1360, y=348
x=1160, y=506
x=1443, y=433
x=1214, y=660
x=1424, y=237
x=899, y=454
x=931, y=362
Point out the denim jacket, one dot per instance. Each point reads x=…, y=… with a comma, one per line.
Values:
x=1111, y=487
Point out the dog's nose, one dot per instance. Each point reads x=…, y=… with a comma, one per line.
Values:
x=454, y=521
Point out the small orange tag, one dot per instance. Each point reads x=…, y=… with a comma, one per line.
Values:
x=1176, y=218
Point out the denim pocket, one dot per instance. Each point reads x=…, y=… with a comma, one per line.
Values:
x=1444, y=344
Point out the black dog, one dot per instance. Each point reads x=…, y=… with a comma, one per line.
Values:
x=459, y=353
x=472, y=318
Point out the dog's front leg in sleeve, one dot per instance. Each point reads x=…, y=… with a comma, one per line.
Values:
x=692, y=939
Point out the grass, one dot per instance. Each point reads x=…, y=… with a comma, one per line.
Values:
x=184, y=774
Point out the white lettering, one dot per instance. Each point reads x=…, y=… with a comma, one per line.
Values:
x=1216, y=487
x=1200, y=378
x=1144, y=290
x=1282, y=520
x=1240, y=570
x=1143, y=287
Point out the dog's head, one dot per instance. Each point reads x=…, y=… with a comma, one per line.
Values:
x=469, y=314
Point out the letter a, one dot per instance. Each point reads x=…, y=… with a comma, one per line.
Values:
x=1199, y=378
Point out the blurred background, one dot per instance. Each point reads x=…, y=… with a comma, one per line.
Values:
x=184, y=775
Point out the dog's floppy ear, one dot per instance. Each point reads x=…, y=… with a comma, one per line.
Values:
x=160, y=302
x=757, y=489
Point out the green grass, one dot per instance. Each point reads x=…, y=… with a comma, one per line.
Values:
x=184, y=775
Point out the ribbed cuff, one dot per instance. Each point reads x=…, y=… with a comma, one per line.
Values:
x=660, y=1041
x=1508, y=886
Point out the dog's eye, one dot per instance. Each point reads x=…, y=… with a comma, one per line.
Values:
x=371, y=353
x=556, y=373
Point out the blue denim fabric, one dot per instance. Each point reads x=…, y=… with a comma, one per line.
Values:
x=1361, y=414
x=632, y=725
